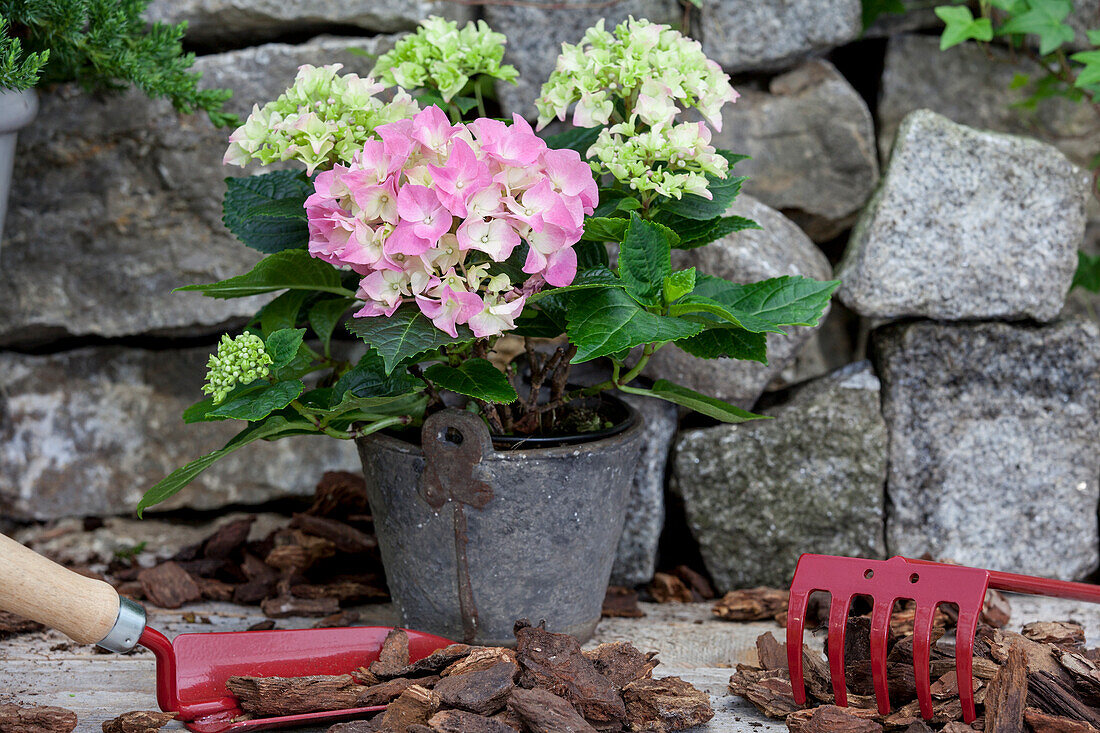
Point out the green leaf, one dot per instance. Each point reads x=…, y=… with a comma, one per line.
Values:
x=769, y=304
x=291, y=269
x=1044, y=19
x=282, y=346
x=696, y=233
x=405, y=334
x=575, y=138
x=1019, y=81
x=709, y=406
x=282, y=312
x=476, y=378
x=465, y=104
x=603, y=229
x=615, y=199
x=1087, y=275
x=368, y=378
x=595, y=277
x=727, y=341
x=872, y=9
x=960, y=26
x=679, y=284
x=273, y=427
x=607, y=321
x=1090, y=74
x=723, y=191
x=591, y=254
x=258, y=405
x=1094, y=37
x=645, y=260
x=266, y=211
x=324, y=316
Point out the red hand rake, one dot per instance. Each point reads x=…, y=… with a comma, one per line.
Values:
x=928, y=584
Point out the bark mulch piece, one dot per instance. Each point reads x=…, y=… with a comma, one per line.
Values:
x=346, y=538
x=35, y=719
x=483, y=691
x=621, y=603
x=384, y=692
x=340, y=493
x=479, y=657
x=460, y=721
x=393, y=659
x=11, y=624
x=544, y=712
x=1059, y=633
x=339, y=620
x=168, y=585
x=1041, y=722
x=700, y=587
x=833, y=719
x=664, y=705
x=271, y=696
x=265, y=625
x=285, y=606
x=751, y=604
x=1005, y=699
x=621, y=662
x=356, y=726
x=666, y=588
x=229, y=538
x=139, y=721
x=413, y=706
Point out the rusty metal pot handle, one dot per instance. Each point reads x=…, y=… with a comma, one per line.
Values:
x=455, y=442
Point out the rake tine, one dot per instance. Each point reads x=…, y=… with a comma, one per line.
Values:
x=796, y=622
x=922, y=651
x=838, y=624
x=880, y=625
x=965, y=629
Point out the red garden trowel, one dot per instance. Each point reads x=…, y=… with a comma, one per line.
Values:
x=926, y=583
x=193, y=668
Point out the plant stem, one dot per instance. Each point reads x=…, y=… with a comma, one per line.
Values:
x=480, y=100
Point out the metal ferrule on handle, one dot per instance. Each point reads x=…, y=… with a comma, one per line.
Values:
x=128, y=628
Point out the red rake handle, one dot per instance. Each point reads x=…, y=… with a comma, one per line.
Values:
x=1016, y=583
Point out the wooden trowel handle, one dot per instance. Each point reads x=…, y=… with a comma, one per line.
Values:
x=83, y=609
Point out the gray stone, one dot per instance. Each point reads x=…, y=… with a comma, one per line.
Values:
x=636, y=557
x=780, y=248
x=967, y=224
x=535, y=35
x=86, y=432
x=918, y=15
x=994, y=443
x=119, y=202
x=757, y=495
x=812, y=142
x=757, y=35
x=211, y=22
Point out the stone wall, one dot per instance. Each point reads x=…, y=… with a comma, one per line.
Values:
x=972, y=432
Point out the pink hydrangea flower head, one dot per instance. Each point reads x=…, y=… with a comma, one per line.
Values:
x=432, y=129
x=453, y=308
x=420, y=206
x=494, y=237
x=463, y=176
x=497, y=318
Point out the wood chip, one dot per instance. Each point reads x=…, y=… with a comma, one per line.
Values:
x=228, y=538
x=340, y=493
x=286, y=606
x=665, y=704
x=139, y=721
x=35, y=719
x=554, y=662
x=440, y=659
x=483, y=692
x=667, y=588
x=996, y=609
x=1059, y=633
x=700, y=587
x=168, y=585
x=771, y=653
x=338, y=620
x=348, y=591
x=1085, y=673
x=543, y=712
x=213, y=589
x=1052, y=695
x=751, y=604
x=1041, y=722
x=479, y=657
x=266, y=625
x=621, y=662
x=833, y=719
x=346, y=538
x=393, y=659
x=768, y=690
x=270, y=696
x=621, y=603
x=383, y=692
x=1007, y=695
x=357, y=726
x=460, y=721
x=413, y=706
x=295, y=551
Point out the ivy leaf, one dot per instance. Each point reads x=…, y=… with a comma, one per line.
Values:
x=267, y=212
x=960, y=25
x=645, y=260
x=603, y=229
x=324, y=316
x=710, y=406
x=608, y=321
x=1094, y=37
x=476, y=378
x=679, y=284
x=1090, y=74
x=1044, y=19
x=275, y=426
x=1087, y=275
x=405, y=334
x=291, y=269
x=727, y=341
x=595, y=277
x=723, y=191
x=282, y=346
x=257, y=405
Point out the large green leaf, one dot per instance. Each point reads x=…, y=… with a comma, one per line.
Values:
x=769, y=304
x=603, y=229
x=368, y=378
x=645, y=260
x=283, y=311
x=595, y=277
x=727, y=341
x=709, y=406
x=257, y=405
x=607, y=321
x=696, y=233
x=615, y=199
x=291, y=269
x=591, y=254
x=960, y=25
x=575, y=138
x=325, y=315
x=266, y=211
x=722, y=190
x=405, y=334
x=275, y=426
x=476, y=378
x=283, y=345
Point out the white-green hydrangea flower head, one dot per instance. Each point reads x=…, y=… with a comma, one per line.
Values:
x=322, y=119
x=640, y=79
x=240, y=360
x=444, y=56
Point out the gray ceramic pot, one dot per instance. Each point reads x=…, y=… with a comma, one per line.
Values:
x=17, y=110
x=473, y=538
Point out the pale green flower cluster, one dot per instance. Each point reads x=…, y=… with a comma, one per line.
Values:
x=324, y=118
x=239, y=360
x=642, y=76
x=442, y=56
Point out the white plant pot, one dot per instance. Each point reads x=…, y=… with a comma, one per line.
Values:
x=17, y=110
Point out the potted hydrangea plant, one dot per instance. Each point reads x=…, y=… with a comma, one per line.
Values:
x=498, y=487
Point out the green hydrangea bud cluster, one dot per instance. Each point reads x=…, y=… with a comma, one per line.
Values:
x=642, y=77
x=239, y=360
x=442, y=56
x=322, y=119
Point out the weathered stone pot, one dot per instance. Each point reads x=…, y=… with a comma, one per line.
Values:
x=17, y=110
x=473, y=538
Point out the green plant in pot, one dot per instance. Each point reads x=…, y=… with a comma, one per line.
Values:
x=105, y=46
x=498, y=487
